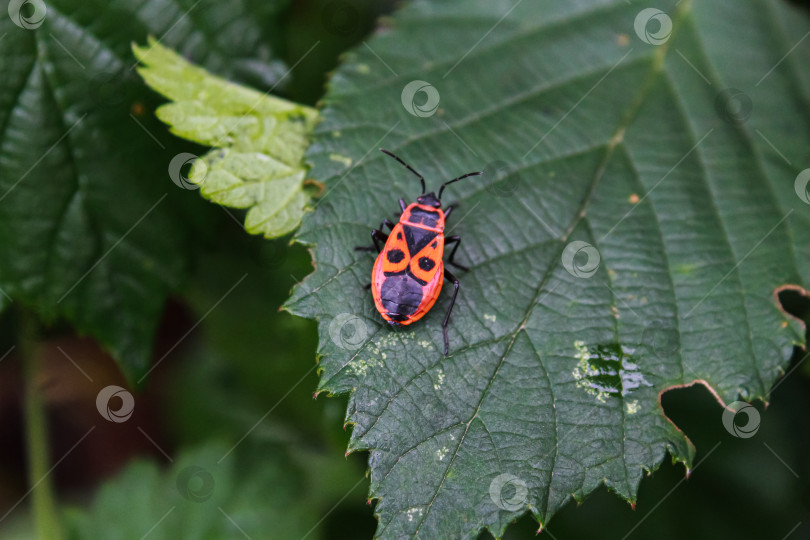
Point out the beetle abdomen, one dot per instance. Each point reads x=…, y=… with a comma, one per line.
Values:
x=400, y=296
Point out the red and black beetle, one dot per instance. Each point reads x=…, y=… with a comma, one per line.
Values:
x=408, y=273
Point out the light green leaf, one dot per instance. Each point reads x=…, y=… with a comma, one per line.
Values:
x=636, y=216
x=259, y=140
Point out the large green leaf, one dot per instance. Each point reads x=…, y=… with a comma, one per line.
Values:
x=638, y=211
x=91, y=227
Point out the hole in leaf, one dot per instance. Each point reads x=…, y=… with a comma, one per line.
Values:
x=795, y=301
x=688, y=407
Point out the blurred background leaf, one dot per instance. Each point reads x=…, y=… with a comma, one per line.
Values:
x=264, y=387
x=71, y=96
x=257, y=491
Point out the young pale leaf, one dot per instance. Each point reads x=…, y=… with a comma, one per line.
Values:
x=637, y=213
x=259, y=140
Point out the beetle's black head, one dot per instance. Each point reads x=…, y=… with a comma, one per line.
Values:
x=429, y=199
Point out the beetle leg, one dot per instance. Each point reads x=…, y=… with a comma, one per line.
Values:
x=376, y=237
x=449, y=277
x=449, y=209
x=402, y=204
x=457, y=241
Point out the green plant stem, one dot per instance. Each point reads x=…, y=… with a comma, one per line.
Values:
x=43, y=500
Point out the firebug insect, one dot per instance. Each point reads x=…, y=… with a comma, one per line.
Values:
x=408, y=274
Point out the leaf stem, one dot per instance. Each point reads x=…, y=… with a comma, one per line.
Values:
x=43, y=501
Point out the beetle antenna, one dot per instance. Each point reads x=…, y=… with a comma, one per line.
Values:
x=421, y=178
x=476, y=173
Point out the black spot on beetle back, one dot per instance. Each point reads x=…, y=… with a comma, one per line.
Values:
x=426, y=264
x=395, y=256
